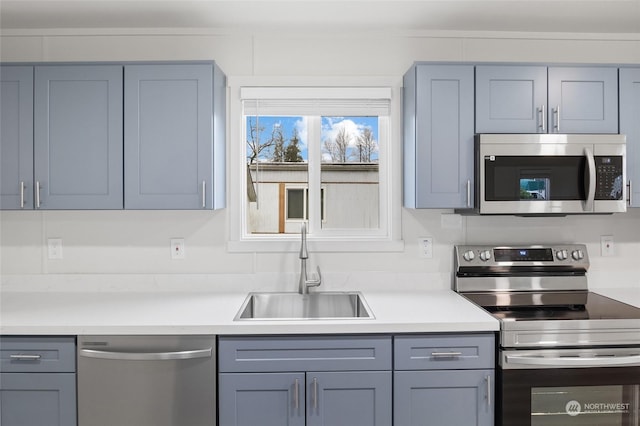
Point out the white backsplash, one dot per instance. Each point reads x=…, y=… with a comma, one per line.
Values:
x=129, y=250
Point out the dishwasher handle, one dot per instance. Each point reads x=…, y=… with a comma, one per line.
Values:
x=147, y=356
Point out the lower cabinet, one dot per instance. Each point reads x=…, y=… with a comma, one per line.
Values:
x=38, y=381
x=313, y=398
x=310, y=380
x=444, y=379
x=436, y=379
x=448, y=397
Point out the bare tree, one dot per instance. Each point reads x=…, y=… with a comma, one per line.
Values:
x=277, y=141
x=338, y=148
x=366, y=145
x=256, y=147
x=342, y=144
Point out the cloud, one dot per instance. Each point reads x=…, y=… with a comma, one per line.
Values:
x=332, y=125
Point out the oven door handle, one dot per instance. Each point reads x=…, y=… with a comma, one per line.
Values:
x=574, y=361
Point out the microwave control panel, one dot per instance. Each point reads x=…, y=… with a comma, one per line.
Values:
x=609, y=178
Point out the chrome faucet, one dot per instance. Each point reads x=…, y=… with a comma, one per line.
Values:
x=304, y=283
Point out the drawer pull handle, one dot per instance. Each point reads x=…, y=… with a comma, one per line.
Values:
x=25, y=357
x=445, y=354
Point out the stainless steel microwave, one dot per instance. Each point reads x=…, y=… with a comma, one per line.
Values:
x=550, y=174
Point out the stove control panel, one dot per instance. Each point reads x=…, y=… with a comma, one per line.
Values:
x=574, y=255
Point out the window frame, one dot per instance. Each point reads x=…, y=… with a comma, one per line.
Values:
x=388, y=239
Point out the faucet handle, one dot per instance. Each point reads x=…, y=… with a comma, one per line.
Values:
x=315, y=282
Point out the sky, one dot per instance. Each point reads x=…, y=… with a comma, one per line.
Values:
x=330, y=128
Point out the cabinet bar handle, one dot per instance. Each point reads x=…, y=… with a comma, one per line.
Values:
x=296, y=391
x=204, y=194
x=543, y=119
x=315, y=393
x=38, y=194
x=445, y=354
x=556, y=113
x=488, y=379
x=22, y=194
x=25, y=357
x=468, y=192
x=629, y=201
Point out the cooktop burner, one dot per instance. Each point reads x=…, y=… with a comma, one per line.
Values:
x=590, y=306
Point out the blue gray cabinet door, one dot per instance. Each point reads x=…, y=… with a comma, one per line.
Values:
x=354, y=398
x=511, y=99
x=16, y=137
x=78, y=137
x=630, y=126
x=583, y=100
x=438, y=136
x=443, y=397
x=265, y=399
x=38, y=399
x=169, y=136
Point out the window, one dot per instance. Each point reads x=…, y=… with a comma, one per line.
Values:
x=297, y=204
x=319, y=155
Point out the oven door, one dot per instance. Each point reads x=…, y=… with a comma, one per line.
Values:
x=569, y=388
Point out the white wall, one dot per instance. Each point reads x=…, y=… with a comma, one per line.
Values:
x=137, y=242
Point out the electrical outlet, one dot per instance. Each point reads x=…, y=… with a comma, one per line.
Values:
x=606, y=246
x=54, y=248
x=177, y=249
x=425, y=247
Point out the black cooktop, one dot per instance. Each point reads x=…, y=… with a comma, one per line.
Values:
x=549, y=306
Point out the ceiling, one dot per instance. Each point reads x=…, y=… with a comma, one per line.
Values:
x=574, y=16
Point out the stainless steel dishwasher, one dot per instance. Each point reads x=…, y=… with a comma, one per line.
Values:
x=146, y=381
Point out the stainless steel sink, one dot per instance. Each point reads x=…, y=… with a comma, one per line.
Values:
x=296, y=306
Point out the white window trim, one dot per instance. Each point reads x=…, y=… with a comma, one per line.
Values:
x=389, y=241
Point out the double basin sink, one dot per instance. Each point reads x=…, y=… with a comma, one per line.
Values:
x=296, y=306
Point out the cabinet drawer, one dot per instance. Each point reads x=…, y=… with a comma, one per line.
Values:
x=292, y=353
x=37, y=354
x=444, y=352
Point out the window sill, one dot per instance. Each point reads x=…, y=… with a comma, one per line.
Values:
x=292, y=245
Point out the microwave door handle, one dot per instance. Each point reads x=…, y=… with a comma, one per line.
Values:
x=591, y=180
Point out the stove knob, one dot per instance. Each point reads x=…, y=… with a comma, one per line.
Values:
x=562, y=254
x=577, y=255
x=468, y=255
x=485, y=255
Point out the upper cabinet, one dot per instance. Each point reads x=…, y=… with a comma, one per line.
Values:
x=511, y=99
x=539, y=99
x=78, y=137
x=174, y=136
x=16, y=137
x=630, y=126
x=138, y=136
x=438, y=136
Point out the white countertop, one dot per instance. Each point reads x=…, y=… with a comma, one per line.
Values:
x=83, y=313
x=626, y=295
